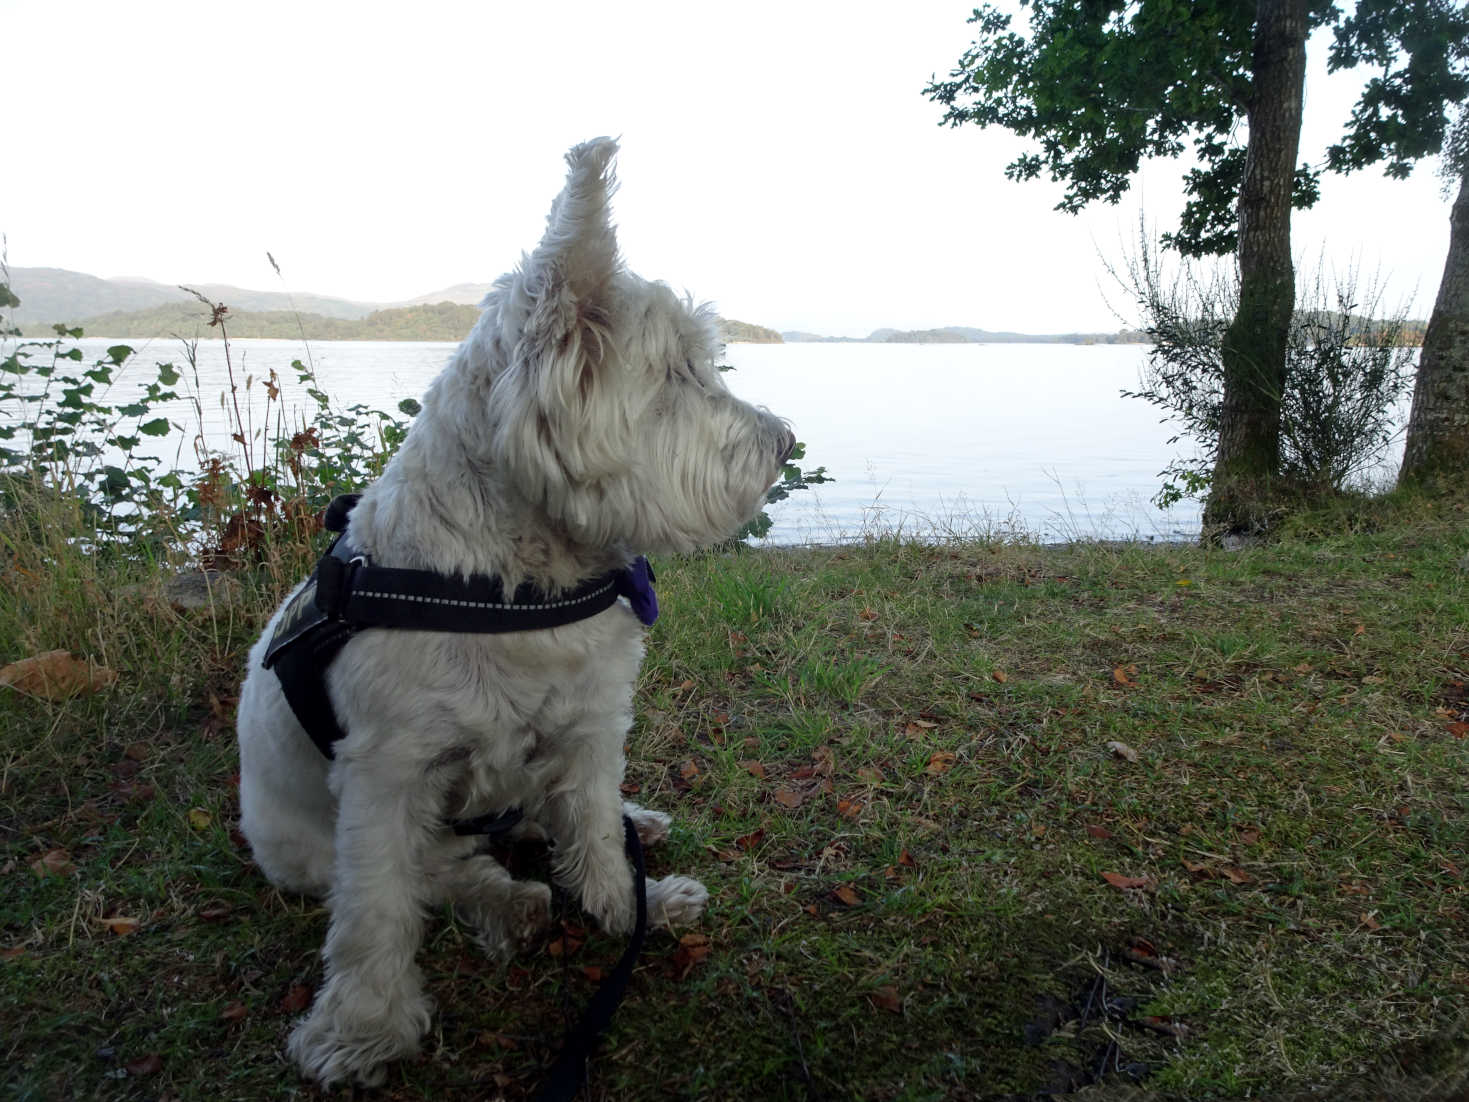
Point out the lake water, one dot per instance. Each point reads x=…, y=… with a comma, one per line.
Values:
x=930, y=440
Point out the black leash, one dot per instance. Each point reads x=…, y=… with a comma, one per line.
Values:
x=570, y=1070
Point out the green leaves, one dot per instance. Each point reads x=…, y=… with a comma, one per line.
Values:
x=157, y=427
x=1102, y=86
x=1422, y=50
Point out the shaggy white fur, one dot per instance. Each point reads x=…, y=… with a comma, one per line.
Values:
x=581, y=423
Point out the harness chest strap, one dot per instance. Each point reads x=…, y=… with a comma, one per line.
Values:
x=346, y=594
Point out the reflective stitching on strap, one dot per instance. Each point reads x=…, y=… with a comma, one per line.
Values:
x=593, y=595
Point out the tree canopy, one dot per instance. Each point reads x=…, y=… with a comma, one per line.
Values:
x=1422, y=50
x=1102, y=86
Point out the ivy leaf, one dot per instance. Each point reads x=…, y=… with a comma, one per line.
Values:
x=157, y=427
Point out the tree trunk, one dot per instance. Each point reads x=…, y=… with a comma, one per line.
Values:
x=1438, y=428
x=1254, y=345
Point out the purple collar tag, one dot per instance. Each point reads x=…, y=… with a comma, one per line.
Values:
x=636, y=584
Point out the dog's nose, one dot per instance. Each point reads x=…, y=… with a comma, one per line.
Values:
x=788, y=445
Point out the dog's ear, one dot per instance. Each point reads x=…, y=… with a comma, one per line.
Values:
x=565, y=286
x=579, y=250
x=557, y=315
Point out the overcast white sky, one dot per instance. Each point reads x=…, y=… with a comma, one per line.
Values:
x=778, y=157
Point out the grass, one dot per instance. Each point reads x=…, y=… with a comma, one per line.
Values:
x=906, y=774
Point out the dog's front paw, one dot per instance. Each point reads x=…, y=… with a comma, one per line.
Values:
x=337, y=1043
x=675, y=900
x=530, y=914
x=516, y=925
x=652, y=826
x=608, y=897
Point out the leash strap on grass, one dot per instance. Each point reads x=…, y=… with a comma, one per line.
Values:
x=570, y=1069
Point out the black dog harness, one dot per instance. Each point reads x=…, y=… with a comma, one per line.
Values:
x=346, y=594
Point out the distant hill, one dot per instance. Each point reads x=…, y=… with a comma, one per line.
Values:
x=466, y=294
x=444, y=321
x=50, y=295
x=742, y=332
x=959, y=334
x=441, y=321
x=142, y=308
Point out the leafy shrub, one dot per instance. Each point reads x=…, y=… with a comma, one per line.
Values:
x=1345, y=373
x=60, y=434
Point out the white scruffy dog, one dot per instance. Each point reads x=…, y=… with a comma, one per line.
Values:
x=580, y=424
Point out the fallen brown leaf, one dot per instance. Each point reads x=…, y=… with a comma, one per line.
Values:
x=692, y=949
x=1098, y=831
x=749, y=841
x=565, y=945
x=132, y=791
x=233, y=1012
x=1124, y=675
x=54, y=862
x=296, y=999
x=941, y=762
x=1140, y=950
x=788, y=797
x=1001, y=676
x=886, y=998
x=56, y=675
x=1117, y=880
x=847, y=894
x=754, y=768
x=151, y=1064
x=1171, y=1026
x=121, y=926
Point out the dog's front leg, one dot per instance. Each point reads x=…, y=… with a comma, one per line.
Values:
x=372, y=1008
x=586, y=821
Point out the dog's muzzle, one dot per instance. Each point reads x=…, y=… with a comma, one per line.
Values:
x=788, y=446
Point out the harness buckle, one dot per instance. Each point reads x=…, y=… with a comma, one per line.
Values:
x=334, y=583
